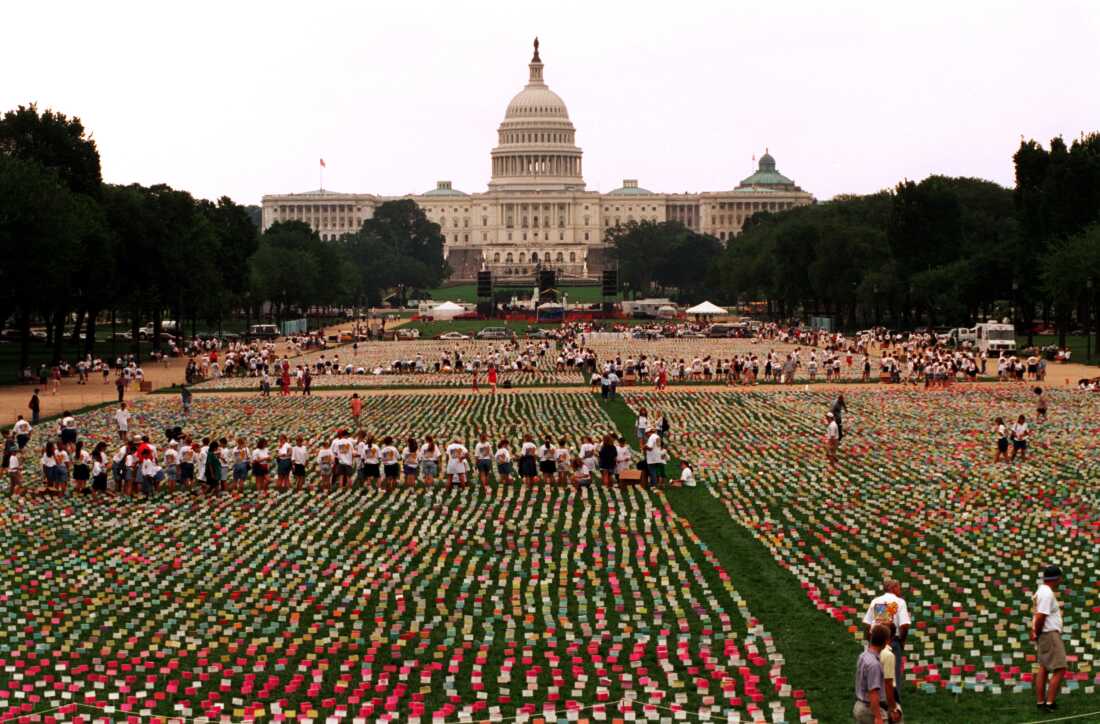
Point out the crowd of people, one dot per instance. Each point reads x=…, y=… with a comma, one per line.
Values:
x=138, y=465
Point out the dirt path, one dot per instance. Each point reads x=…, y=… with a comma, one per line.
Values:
x=71, y=396
x=14, y=398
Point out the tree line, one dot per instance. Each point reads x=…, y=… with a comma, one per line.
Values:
x=942, y=251
x=76, y=249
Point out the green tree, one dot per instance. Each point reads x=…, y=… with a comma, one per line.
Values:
x=55, y=141
x=41, y=226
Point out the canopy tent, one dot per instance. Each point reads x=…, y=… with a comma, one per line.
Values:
x=447, y=310
x=706, y=308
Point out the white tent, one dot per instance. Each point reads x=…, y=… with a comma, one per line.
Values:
x=706, y=308
x=447, y=310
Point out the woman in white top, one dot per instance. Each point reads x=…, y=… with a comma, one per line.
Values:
x=547, y=464
x=456, y=462
x=429, y=460
x=623, y=456
x=15, y=471
x=687, y=475
x=299, y=454
x=283, y=463
x=588, y=454
x=528, y=465
x=261, y=464
x=503, y=459
x=1020, y=434
x=391, y=463
x=562, y=457
x=483, y=457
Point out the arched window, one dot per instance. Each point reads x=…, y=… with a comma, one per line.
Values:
x=572, y=256
x=508, y=258
x=522, y=257
x=496, y=258
x=561, y=257
x=534, y=256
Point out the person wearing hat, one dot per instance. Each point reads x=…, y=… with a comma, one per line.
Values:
x=1046, y=632
x=832, y=437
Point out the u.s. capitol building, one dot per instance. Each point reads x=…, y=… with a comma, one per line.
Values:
x=536, y=211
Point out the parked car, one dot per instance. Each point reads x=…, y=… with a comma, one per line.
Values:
x=536, y=333
x=453, y=335
x=690, y=334
x=494, y=333
x=403, y=333
x=121, y=337
x=721, y=330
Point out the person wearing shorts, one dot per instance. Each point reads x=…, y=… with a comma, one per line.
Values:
x=456, y=463
x=547, y=465
x=1046, y=632
x=391, y=464
x=429, y=460
x=528, y=466
x=299, y=454
x=1020, y=435
x=483, y=455
x=503, y=459
x=411, y=461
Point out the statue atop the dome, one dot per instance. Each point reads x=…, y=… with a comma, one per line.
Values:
x=535, y=58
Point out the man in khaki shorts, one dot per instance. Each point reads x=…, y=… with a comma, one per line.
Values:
x=1046, y=631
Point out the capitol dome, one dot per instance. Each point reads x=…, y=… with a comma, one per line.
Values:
x=536, y=147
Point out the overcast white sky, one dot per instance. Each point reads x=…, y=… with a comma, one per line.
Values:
x=243, y=98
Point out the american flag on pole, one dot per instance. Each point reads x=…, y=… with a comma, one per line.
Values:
x=322, y=163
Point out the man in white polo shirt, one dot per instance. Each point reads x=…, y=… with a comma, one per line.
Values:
x=890, y=610
x=1046, y=632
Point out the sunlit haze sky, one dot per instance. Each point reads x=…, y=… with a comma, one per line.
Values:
x=243, y=98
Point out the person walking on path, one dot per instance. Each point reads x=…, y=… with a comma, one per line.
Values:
x=35, y=406
x=870, y=686
x=1046, y=632
x=185, y=399
x=890, y=610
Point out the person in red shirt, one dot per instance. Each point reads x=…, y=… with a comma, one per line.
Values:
x=356, y=408
x=493, y=379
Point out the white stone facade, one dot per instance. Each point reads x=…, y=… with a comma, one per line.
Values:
x=536, y=211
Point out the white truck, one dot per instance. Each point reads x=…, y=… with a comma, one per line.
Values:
x=992, y=337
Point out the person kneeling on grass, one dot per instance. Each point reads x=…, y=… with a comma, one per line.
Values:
x=687, y=475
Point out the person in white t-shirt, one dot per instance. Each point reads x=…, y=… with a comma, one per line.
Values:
x=122, y=421
x=687, y=475
x=483, y=458
x=299, y=456
x=503, y=459
x=261, y=464
x=654, y=457
x=283, y=463
x=457, y=466
x=1020, y=435
x=391, y=461
x=428, y=457
x=890, y=610
x=15, y=471
x=1046, y=632
x=344, y=449
x=832, y=437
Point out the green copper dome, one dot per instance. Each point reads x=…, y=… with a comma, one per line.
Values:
x=767, y=177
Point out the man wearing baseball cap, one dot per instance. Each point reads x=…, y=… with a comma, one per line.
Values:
x=1046, y=631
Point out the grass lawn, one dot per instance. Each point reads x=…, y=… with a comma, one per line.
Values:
x=1077, y=345
x=468, y=293
x=820, y=654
